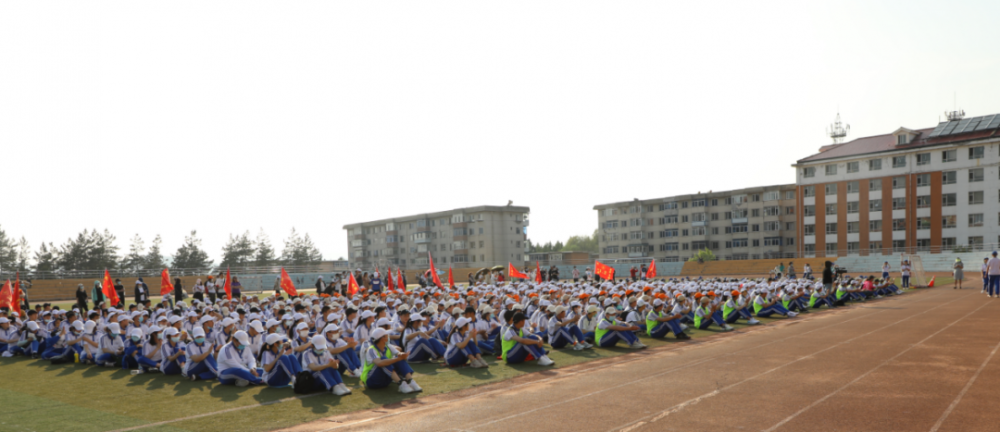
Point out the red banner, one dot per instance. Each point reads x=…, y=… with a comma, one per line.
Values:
x=434, y=273
x=605, y=272
x=228, y=286
x=287, y=285
x=165, y=285
x=109, y=289
x=513, y=273
x=651, y=273
x=352, y=286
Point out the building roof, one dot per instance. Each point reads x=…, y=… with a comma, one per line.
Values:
x=923, y=138
x=483, y=208
x=699, y=195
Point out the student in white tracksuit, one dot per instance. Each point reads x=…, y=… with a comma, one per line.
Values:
x=236, y=363
x=318, y=360
x=201, y=363
x=279, y=365
x=172, y=352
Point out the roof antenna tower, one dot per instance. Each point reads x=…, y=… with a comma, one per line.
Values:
x=838, y=131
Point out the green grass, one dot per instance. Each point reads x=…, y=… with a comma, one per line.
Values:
x=38, y=396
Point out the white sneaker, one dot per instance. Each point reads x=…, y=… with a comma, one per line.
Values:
x=414, y=386
x=357, y=373
x=404, y=387
x=728, y=327
x=578, y=347
x=242, y=382
x=637, y=345
x=292, y=382
x=7, y=354
x=545, y=361
x=588, y=345
x=753, y=321
x=138, y=372
x=792, y=314
x=340, y=390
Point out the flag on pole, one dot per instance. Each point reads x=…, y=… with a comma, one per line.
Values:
x=228, y=286
x=109, y=289
x=388, y=279
x=165, y=285
x=538, y=273
x=352, y=286
x=513, y=273
x=5, y=295
x=451, y=280
x=287, y=285
x=651, y=273
x=16, y=294
x=399, y=279
x=604, y=271
x=434, y=273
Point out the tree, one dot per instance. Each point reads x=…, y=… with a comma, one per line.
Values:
x=23, y=255
x=190, y=255
x=581, y=244
x=104, y=252
x=300, y=250
x=8, y=252
x=46, y=259
x=238, y=251
x=135, y=260
x=703, y=255
x=74, y=254
x=263, y=251
x=154, y=259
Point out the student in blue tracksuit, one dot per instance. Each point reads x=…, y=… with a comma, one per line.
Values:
x=278, y=364
x=237, y=366
x=517, y=346
x=563, y=331
x=111, y=346
x=317, y=359
x=173, y=360
x=610, y=331
x=385, y=365
x=68, y=342
x=201, y=363
x=659, y=323
x=462, y=346
x=420, y=345
x=343, y=351
x=135, y=354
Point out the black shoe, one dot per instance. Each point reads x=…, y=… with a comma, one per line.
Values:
x=683, y=336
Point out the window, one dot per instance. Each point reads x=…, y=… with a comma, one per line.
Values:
x=698, y=203
x=831, y=228
x=852, y=167
x=832, y=169
x=684, y=204
x=948, y=243
x=772, y=196
x=684, y=246
x=899, y=182
x=831, y=189
x=668, y=206
x=810, y=249
x=852, y=206
x=901, y=139
x=923, y=180
x=949, y=156
x=670, y=219
x=772, y=211
x=809, y=191
x=831, y=209
x=669, y=247
x=899, y=224
x=755, y=197
x=684, y=233
x=949, y=200
x=875, y=246
x=899, y=203
x=923, y=223
x=977, y=152
x=772, y=241
x=715, y=230
x=975, y=197
x=875, y=226
x=923, y=158
x=874, y=185
x=949, y=221
x=875, y=205
x=739, y=243
x=755, y=213
x=831, y=248
x=975, y=175
x=853, y=247
x=976, y=242
x=742, y=228
x=853, y=227
x=899, y=245
x=899, y=161
x=698, y=217
x=874, y=164
x=789, y=195
x=698, y=231
x=852, y=187
x=809, y=229
x=949, y=177
x=809, y=172
x=715, y=216
x=790, y=241
x=755, y=228
x=923, y=201
x=740, y=214
x=789, y=210
x=975, y=220
x=669, y=233
x=790, y=226
x=684, y=218
x=772, y=226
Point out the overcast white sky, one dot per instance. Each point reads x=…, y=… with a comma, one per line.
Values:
x=163, y=117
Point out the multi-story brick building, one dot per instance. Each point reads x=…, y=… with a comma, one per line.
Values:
x=751, y=223
x=470, y=237
x=910, y=190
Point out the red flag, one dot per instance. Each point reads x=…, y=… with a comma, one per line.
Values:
x=434, y=273
x=165, y=285
x=651, y=273
x=388, y=279
x=399, y=279
x=352, y=286
x=109, y=289
x=451, y=280
x=228, y=286
x=538, y=273
x=286, y=283
x=16, y=294
x=513, y=273
x=5, y=295
x=605, y=272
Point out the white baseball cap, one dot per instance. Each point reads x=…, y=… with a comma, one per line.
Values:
x=319, y=342
x=243, y=337
x=379, y=333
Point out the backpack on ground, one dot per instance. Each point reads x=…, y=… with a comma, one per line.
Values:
x=305, y=383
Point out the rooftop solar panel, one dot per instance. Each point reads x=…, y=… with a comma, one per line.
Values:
x=949, y=127
x=983, y=125
x=995, y=123
x=938, y=129
x=971, y=126
x=961, y=126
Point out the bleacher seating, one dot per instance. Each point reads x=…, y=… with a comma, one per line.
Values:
x=760, y=267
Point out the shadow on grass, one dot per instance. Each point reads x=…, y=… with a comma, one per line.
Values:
x=185, y=386
x=227, y=393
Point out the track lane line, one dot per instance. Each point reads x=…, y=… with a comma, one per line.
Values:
x=961, y=394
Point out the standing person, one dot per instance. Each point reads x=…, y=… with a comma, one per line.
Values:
x=642, y=271
x=807, y=272
x=885, y=270
x=791, y=270
x=199, y=290
x=828, y=275
x=236, y=288
x=588, y=274
x=97, y=294
x=81, y=294
x=178, y=291
x=904, y=269
x=120, y=289
x=576, y=275
x=633, y=272
x=986, y=277
x=993, y=272
x=320, y=285
x=141, y=291
x=781, y=270
x=210, y=289
x=957, y=272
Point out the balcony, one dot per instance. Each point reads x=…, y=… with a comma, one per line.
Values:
x=422, y=240
x=359, y=237
x=741, y=220
x=460, y=238
x=699, y=223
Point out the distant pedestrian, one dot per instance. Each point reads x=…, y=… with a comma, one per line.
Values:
x=993, y=271
x=904, y=270
x=986, y=277
x=958, y=273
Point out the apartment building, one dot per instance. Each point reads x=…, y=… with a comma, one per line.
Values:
x=462, y=238
x=911, y=190
x=751, y=223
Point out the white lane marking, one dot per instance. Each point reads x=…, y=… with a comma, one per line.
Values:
x=678, y=407
x=793, y=416
x=218, y=412
x=961, y=394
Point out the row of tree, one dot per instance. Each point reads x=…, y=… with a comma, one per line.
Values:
x=95, y=250
x=574, y=244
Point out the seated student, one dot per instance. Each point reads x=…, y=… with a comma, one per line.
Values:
x=486, y=329
x=518, y=347
x=707, y=313
x=462, y=346
x=610, y=331
x=111, y=346
x=30, y=342
x=91, y=347
x=278, y=364
x=299, y=339
x=734, y=307
x=658, y=323
x=636, y=313
x=764, y=306
x=563, y=331
x=137, y=352
x=384, y=366
x=172, y=352
x=236, y=364
x=682, y=307
x=201, y=363
x=588, y=324
x=420, y=345
x=323, y=367
x=67, y=344
x=819, y=297
x=8, y=336
x=794, y=299
x=343, y=351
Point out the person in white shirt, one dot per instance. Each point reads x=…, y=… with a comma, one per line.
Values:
x=172, y=353
x=111, y=346
x=236, y=363
x=419, y=343
x=385, y=365
x=993, y=272
x=659, y=323
x=279, y=366
x=588, y=324
x=904, y=269
x=885, y=270
x=562, y=331
x=69, y=341
x=462, y=346
x=201, y=363
x=136, y=353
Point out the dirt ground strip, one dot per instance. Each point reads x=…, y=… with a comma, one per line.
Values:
x=923, y=361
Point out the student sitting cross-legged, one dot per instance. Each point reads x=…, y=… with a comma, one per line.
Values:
x=659, y=323
x=318, y=360
x=519, y=348
x=236, y=362
x=277, y=362
x=610, y=331
x=384, y=365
